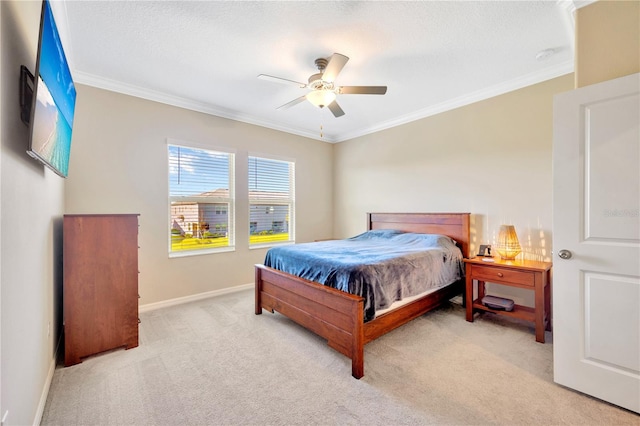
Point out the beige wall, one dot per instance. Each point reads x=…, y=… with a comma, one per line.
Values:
x=607, y=41
x=32, y=199
x=119, y=165
x=491, y=158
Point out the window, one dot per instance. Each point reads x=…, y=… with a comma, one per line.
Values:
x=201, y=196
x=271, y=201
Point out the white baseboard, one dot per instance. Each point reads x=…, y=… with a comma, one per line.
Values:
x=45, y=390
x=186, y=299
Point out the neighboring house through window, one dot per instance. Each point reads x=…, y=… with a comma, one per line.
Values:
x=271, y=201
x=201, y=196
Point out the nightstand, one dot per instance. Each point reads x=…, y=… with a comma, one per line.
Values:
x=527, y=274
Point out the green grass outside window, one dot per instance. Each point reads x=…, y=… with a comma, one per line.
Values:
x=185, y=243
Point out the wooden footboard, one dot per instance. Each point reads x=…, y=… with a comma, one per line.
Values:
x=338, y=316
x=332, y=314
x=335, y=315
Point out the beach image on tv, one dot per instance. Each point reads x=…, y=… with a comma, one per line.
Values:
x=55, y=100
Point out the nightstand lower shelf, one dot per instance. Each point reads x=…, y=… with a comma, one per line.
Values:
x=522, y=312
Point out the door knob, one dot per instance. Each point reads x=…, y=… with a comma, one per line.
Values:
x=564, y=254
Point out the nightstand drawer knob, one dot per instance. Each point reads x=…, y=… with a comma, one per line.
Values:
x=500, y=274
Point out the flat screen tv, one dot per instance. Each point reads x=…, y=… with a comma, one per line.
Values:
x=54, y=99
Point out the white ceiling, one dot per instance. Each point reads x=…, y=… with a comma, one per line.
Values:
x=206, y=55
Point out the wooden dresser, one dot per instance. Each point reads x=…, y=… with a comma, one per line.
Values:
x=100, y=290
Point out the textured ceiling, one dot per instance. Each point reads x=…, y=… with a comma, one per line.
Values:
x=206, y=55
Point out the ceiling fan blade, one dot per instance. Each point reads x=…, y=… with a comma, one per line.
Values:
x=335, y=65
x=362, y=90
x=281, y=80
x=293, y=102
x=335, y=109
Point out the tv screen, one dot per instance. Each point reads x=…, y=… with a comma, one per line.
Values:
x=54, y=99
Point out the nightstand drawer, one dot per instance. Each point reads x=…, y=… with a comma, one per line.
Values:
x=497, y=275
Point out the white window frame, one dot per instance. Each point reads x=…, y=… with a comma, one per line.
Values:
x=230, y=200
x=290, y=201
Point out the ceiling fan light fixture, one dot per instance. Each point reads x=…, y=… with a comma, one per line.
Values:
x=321, y=98
x=322, y=89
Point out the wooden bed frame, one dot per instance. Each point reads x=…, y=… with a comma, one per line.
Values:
x=339, y=316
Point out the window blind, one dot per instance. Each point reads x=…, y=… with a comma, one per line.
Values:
x=271, y=201
x=201, y=196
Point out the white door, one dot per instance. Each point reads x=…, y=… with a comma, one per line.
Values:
x=596, y=221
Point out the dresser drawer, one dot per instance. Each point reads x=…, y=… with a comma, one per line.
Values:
x=497, y=275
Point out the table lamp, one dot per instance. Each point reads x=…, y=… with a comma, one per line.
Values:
x=508, y=246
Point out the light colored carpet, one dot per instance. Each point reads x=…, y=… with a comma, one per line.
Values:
x=214, y=362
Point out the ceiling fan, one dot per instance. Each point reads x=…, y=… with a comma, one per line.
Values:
x=323, y=90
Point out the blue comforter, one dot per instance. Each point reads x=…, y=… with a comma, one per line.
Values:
x=382, y=266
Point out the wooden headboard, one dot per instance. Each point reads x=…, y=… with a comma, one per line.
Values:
x=454, y=225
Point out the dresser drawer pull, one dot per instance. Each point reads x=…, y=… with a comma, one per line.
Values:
x=500, y=274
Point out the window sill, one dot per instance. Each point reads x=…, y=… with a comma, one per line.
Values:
x=188, y=253
x=269, y=245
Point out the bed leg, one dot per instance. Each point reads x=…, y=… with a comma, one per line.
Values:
x=357, y=367
x=357, y=346
x=258, y=289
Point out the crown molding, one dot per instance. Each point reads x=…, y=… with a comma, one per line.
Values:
x=572, y=5
x=569, y=7
x=190, y=104
x=152, y=95
x=480, y=95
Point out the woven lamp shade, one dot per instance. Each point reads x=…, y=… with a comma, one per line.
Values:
x=508, y=246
